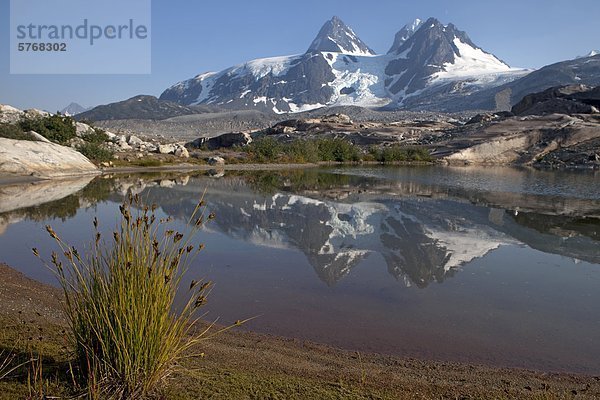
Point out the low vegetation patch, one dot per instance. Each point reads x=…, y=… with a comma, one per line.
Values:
x=56, y=128
x=398, y=153
x=94, y=146
x=95, y=151
x=61, y=129
x=13, y=131
x=120, y=302
x=97, y=135
x=271, y=150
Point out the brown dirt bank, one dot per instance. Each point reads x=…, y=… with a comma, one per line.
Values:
x=245, y=365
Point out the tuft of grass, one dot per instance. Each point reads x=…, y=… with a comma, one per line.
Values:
x=7, y=365
x=120, y=302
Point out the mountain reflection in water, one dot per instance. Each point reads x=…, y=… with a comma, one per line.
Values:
x=425, y=233
x=516, y=254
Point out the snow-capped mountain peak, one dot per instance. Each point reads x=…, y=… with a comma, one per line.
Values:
x=337, y=37
x=429, y=61
x=404, y=34
x=591, y=54
x=436, y=52
x=73, y=109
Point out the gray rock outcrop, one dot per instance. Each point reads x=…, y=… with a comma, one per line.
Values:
x=570, y=99
x=524, y=140
x=222, y=141
x=43, y=160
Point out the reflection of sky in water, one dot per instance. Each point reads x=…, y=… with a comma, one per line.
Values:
x=485, y=285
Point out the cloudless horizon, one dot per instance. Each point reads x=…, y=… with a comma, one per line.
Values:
x=189, y=38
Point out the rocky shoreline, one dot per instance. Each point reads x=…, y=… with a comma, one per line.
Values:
x=557, y=128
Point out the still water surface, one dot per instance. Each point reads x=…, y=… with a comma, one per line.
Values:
x=489, y=265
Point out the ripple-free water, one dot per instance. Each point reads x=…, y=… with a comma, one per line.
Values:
x=489, y=265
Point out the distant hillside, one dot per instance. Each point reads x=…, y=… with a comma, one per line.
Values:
x=582, y=70
x=141, y=107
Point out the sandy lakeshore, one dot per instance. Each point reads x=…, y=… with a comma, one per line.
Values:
x=250, y=365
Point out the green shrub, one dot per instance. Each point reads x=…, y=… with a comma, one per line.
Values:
x=13, y=131
x=95, y=151
x=120, y=301
x=266, y=149
x=337, y=150
x=302, y=151
x=57, y=128
x=269, y=149
x=96, y=136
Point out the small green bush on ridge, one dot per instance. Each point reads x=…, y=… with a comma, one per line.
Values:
x=398, y=153
x=269, y=149
x=95, y=151
x=57, y=128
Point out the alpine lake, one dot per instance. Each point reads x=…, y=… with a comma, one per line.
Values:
x=497, y=266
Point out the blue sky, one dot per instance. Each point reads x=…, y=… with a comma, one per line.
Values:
x=190, y=37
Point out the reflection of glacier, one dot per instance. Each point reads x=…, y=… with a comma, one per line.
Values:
x=422, y=233
x=420, y=241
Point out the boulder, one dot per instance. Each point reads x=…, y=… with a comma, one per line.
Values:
x=37, y=137
x=134, y=141
x=111, y=136
x=216, y=160
x=166, y=148
x=182, y=152
x=41, y=159
x=337, y=119
x=9, y=114
x=82, y=129
x=196, y=143
x=229, y=140
x=121, y=143
x=124, y=147
x=35, y=113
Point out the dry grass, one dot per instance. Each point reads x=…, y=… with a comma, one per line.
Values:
x=120, y=302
